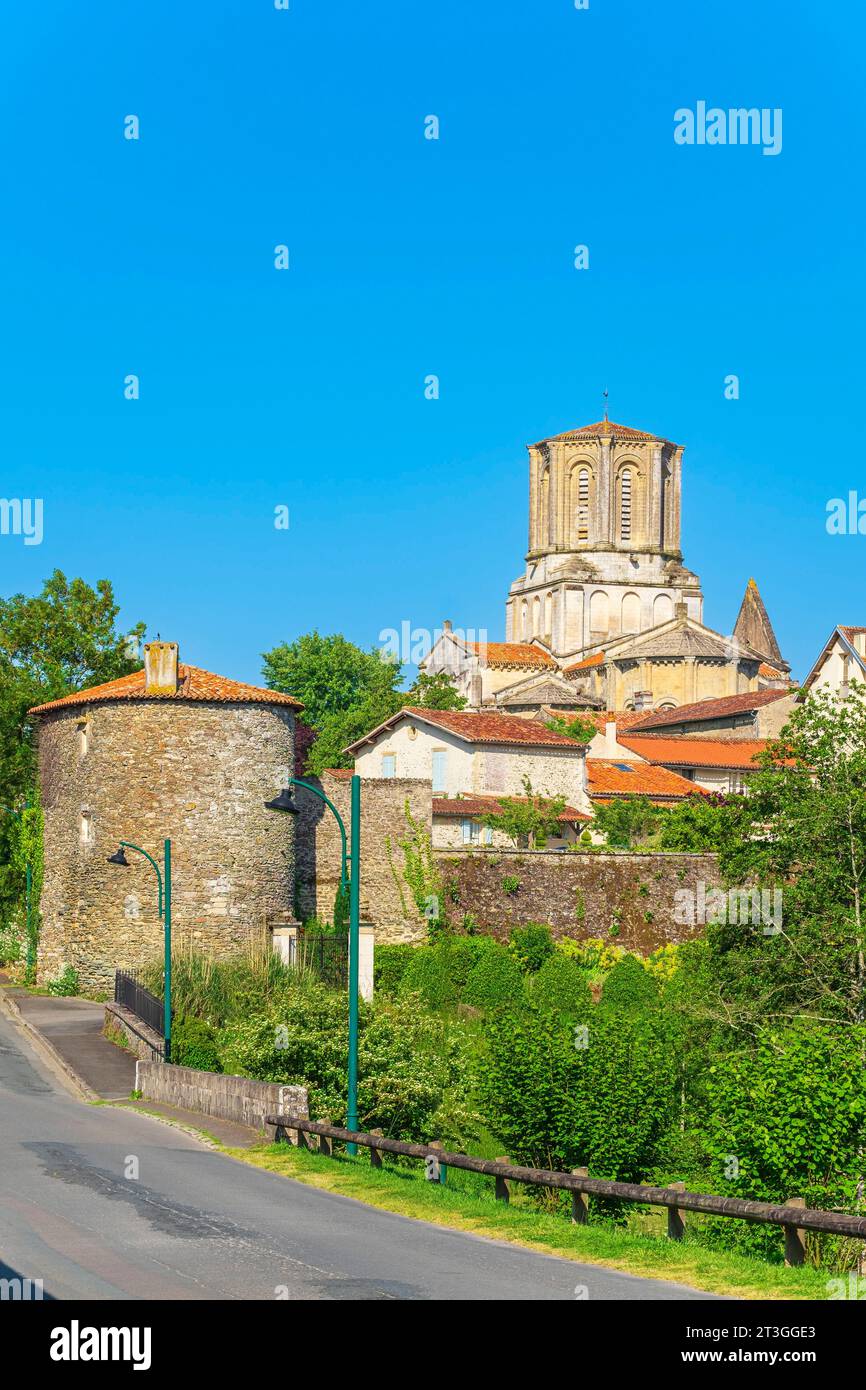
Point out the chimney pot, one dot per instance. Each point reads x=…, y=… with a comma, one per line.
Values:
x=160, y=668
x=446, y=626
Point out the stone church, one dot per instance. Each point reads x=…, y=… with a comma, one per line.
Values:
x=606, y=615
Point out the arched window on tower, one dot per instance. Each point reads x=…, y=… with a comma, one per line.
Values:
x=524, y=621
x=583, y=504
x=548, y=615
x=536, y=617
x=626, y=500
x=544, y=511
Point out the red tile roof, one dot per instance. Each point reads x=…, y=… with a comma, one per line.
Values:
x=614, y=777
x=510, y=654
x=709, y=709
x=605, y=429
x=193, y=684
x=471, y=805
x=476, y=728
x=622, y=718
x=737, y=753
x=597, y=659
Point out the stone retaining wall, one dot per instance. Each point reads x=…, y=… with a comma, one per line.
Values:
x=227, y=1097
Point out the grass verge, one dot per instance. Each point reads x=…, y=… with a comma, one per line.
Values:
x=405, y=1192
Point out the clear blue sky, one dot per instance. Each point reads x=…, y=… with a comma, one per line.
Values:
x=409, y=257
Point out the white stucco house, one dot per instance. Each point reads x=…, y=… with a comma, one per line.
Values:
x=473, y=758
x=842, y=660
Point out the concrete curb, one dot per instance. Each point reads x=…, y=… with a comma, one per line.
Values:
x=47, y=1051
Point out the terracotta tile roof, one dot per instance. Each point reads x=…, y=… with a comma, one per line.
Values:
x=770, y=672
x=622, y=718
x=597, y=659
x=510, y=654
x=604, y=429
x=610, y=778
x=709, y=709
x=476, y=728
x=851, y=632
x=737, y=753
x=193, y=684
x=471, y=805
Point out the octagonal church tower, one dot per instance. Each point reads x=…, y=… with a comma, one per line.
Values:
x=169, y=751
x=604, y=554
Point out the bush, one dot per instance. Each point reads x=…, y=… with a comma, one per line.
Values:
x=593, y=953
x=561, y=987
x=495, y=980
x=630, y=987
x=439, y=973
x=194, y=1044
x=65, y=984
x=531, y=945
x=10, y=945
x=608, y=1105
x=413, y=1069
x=510, y=885
x=390, y=964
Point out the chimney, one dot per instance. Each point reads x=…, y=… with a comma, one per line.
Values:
x=642, y=700
x=446, y=625
x=160, y=668
x=860, y=643
x=610, y=736
x=681, y=610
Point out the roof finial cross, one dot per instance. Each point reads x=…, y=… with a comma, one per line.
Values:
x=604, y=393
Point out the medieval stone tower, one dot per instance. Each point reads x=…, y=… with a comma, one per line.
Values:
x=170, y=751
x=604, y=553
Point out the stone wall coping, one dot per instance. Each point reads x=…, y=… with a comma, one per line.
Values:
x=474, y=851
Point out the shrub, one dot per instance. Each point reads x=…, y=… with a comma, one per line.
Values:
x=554, y=1105
x=194, y=1044
x=531, y=945
x=65, y=984
x=592, y=954
x=494, y=980
x=439, y=972
x=390, y=963
x=510, y=884
x=413, y=1070
x=10, y=945
x=561, y=987
x=630, y=987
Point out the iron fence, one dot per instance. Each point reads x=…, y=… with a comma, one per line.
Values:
x=131, y=993
x=325, y=954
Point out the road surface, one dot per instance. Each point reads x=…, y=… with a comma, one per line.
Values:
x=194, y=1224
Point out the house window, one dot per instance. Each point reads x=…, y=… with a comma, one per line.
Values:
x=85, y=828
x=83, y=737
x=389, y=764
x=471, y=832
x=439, y=765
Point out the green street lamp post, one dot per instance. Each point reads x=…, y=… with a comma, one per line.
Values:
x=28, y=879
x=283, y=802
x=163, y=879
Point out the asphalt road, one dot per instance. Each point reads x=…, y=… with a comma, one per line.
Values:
x=196, y=1225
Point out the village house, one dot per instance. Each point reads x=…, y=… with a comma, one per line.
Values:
x=471, y=759
x=842, y=660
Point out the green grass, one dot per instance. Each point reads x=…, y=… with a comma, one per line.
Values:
x=470, y=1206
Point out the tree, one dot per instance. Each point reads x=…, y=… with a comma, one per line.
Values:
x=627, y=821
x=434, y=692
x=700, y=823
x=532, y=818
x=572, y=726
x=59, y=641
x=345, y=691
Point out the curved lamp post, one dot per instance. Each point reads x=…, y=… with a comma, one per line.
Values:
x=283, y=802
x=30, y=961
x=163, y=879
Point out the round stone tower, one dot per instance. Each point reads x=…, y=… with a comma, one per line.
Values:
x=168, y=752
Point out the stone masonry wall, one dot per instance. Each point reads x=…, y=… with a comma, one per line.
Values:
x=197, y=772
x=386, y=900
x=623, y=897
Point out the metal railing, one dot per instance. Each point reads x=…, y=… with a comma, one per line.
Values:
x=131, y=993
x=793, y=1216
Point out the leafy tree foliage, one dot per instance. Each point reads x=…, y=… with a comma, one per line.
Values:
x=532, y=818
x=627, y=821
x=434, y=692
x=572, y=726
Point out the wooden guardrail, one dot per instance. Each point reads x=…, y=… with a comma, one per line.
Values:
x=793, y=1216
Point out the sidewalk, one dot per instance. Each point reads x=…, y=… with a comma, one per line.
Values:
x=71, y=1030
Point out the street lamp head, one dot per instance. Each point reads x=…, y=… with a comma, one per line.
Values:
x=283, y=802
x=119, y=858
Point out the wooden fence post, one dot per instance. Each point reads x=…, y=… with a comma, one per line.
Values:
x=676, y=1226
x=795, y=1245
x=434, y=1171
x=325, y=1146
x=579, y=1204
x=375, y=1156
x=503, y=1191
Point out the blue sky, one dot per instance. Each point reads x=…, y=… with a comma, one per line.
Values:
x=305, y=388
